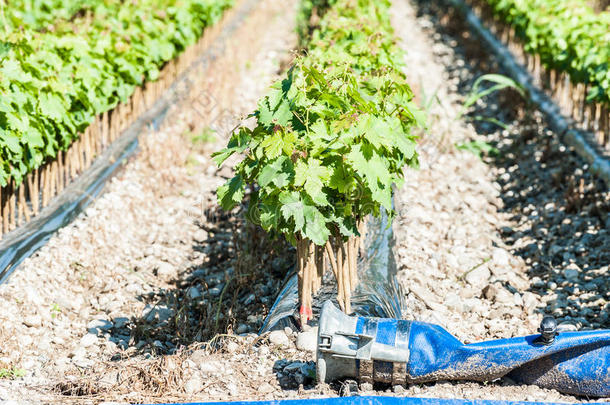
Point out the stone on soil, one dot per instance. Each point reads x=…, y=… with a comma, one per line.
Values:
x=278, y=337
x=571, y=272
x=308, y=340
x=478, y=276
x=88, y=340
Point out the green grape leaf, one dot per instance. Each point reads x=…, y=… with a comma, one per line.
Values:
x=231, y=193
x=293, y=208
x=312, y=176
x=277, y=173
x=51, y=105
x=315, y=225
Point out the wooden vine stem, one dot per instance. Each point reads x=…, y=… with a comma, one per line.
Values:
x=20, y=203
x=312, y=261
x=306, y=262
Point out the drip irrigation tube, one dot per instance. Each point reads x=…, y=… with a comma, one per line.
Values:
x=599, y=164
x=25, y=240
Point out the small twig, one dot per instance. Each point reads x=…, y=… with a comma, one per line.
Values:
x=220, y=303
x=461, y=278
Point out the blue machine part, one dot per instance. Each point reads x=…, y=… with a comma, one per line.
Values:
x=397, y=352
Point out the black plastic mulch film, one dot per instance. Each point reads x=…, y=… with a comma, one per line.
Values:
x=19, y=244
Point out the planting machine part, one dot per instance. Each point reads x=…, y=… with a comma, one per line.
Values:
x=398, y=352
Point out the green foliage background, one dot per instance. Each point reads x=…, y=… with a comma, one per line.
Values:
x=62, y=62
x=569, y=37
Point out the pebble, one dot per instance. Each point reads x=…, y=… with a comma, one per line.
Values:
x=232, y=388
x=554, y=250
x=203, y=360
x=490, y=291
x=307, y=341
x=517, y=300
x=200, y=235
x=452, y=261
x=214, y=292
x=425, y=296
x=26, y=340
x=265, y=388
x=501, y=258
x=32, y=321
x=99, y=325
x=88, y=340
x=567, y=326
x=242, y=328
x=165, y=270
x=453, y=301
x=82, y=362
x=232, y=347
x=120, y=322
x=293, y=367
x=478, y=276
x=249, y=299
x=537, y=282
x=78, y=352
x=571, y=272
x=278, y=337
x=194, y=384
x=160, y=313
x=366, y=387
x=194, y=293
x=503, y=296
x=530, y=301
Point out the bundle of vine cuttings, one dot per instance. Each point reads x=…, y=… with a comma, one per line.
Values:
x=330, y=141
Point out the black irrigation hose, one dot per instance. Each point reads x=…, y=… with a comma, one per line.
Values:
x=599, y=164
x=21, y=243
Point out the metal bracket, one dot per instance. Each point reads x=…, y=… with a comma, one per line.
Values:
x=325, y=342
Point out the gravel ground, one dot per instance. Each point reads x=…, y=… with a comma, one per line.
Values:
x=115, y=305
x=121, y=305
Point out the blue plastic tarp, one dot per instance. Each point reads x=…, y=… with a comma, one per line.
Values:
x=374, y=400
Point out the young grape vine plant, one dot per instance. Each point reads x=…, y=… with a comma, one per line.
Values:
x=331, y=140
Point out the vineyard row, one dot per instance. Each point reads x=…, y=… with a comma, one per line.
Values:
x=565, y=46
x=21, y=199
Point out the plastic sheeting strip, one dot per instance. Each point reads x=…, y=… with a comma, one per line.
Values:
x=27, y=239
x=377, y=293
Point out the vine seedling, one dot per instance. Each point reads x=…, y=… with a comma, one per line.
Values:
x=331, y=139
